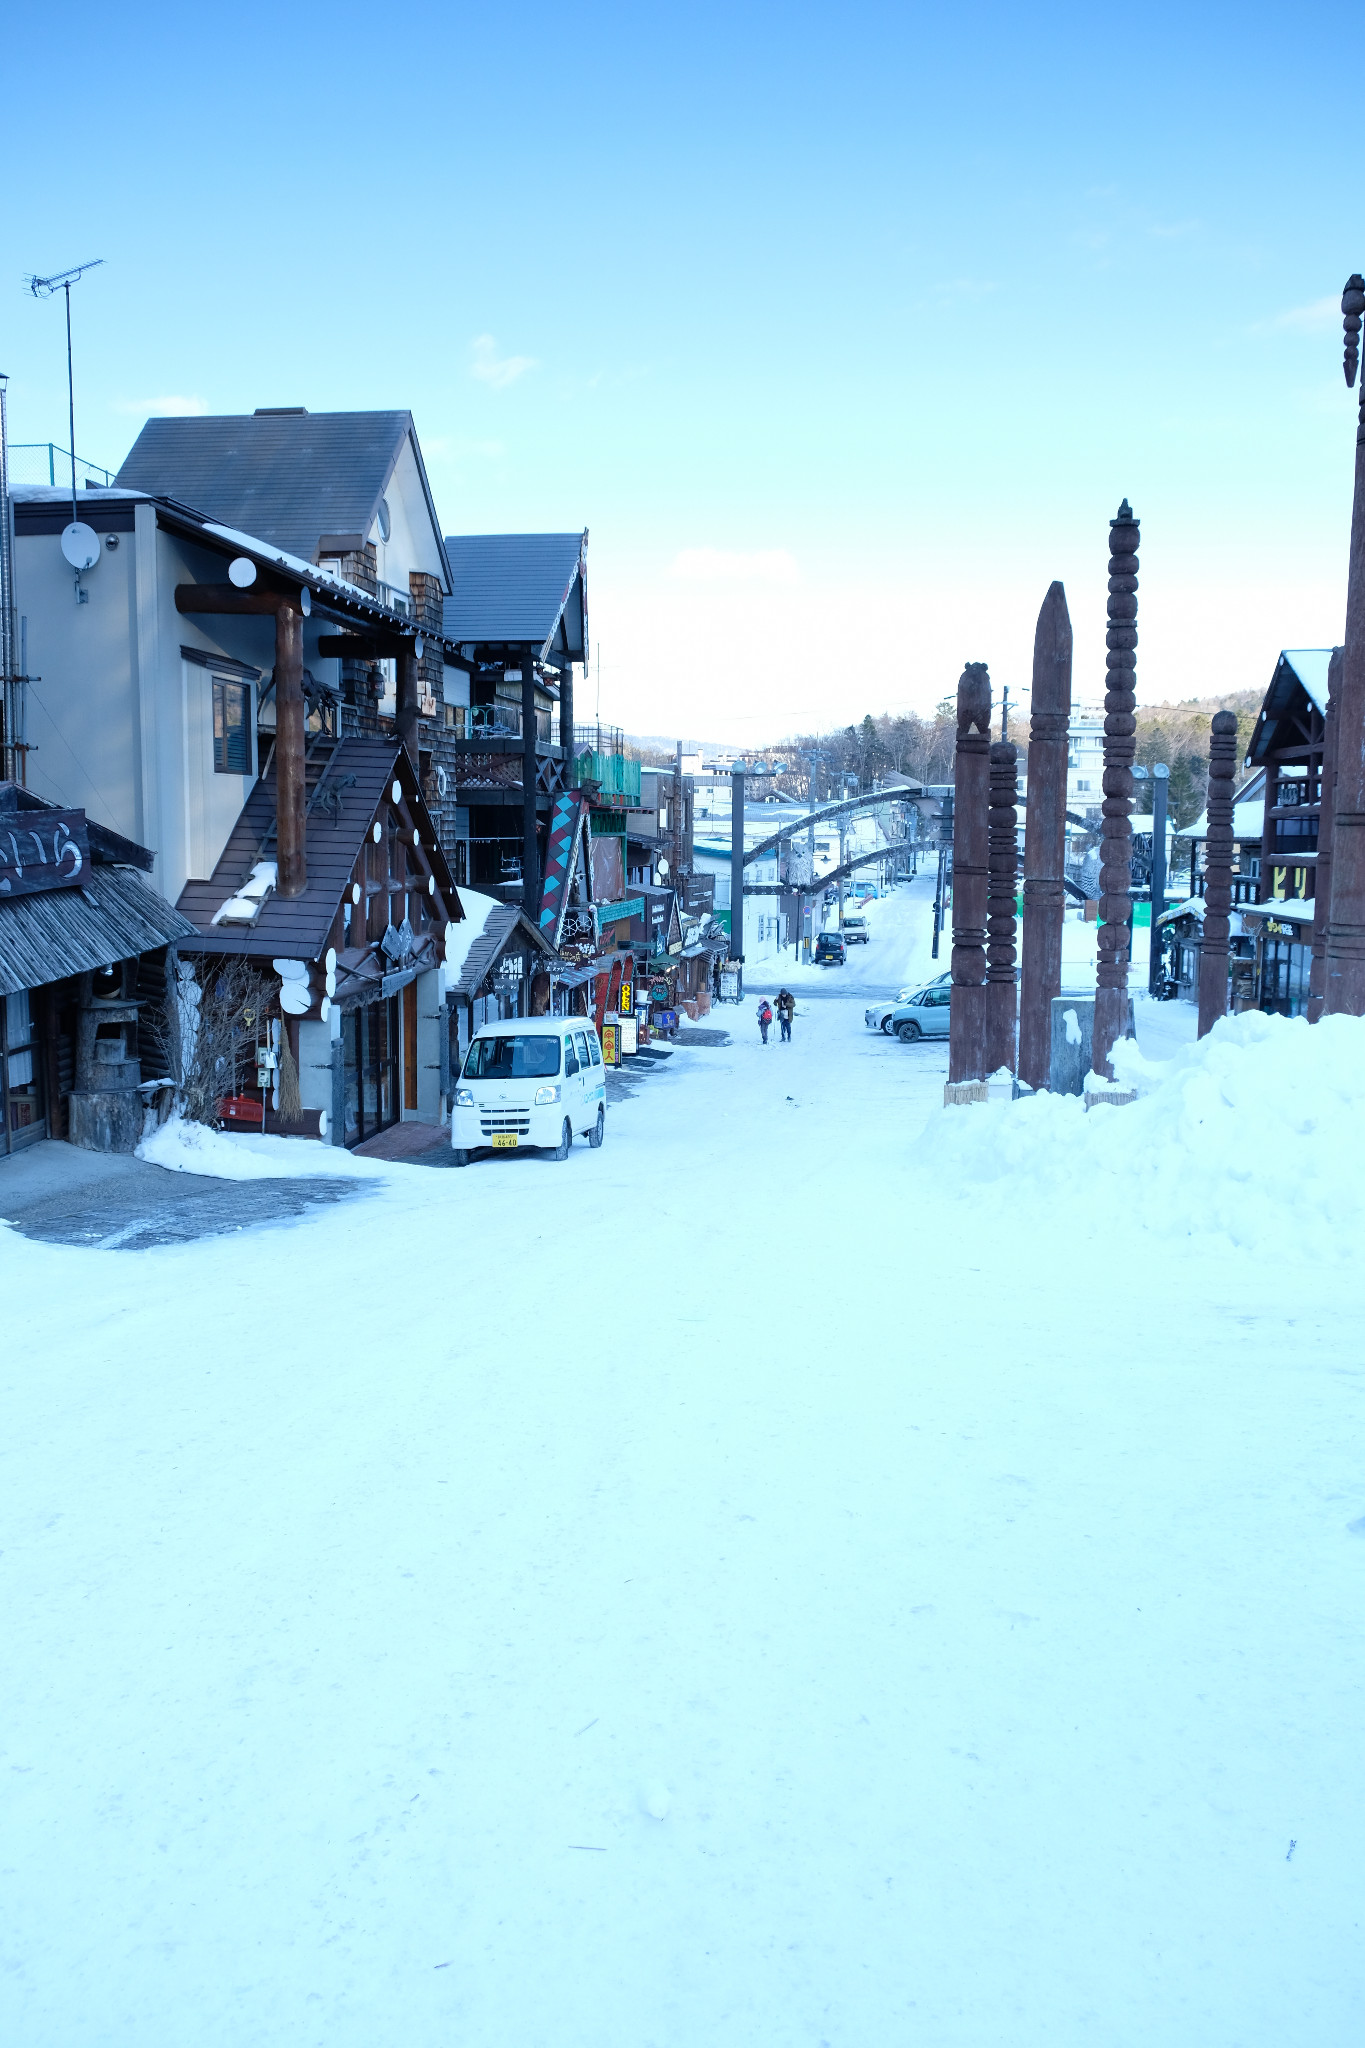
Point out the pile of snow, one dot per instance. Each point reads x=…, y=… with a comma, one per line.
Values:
x=1253, y=1135
x=230, y=1155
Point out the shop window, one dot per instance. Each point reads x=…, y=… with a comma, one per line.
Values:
x=231, y=727
x=21, y=1103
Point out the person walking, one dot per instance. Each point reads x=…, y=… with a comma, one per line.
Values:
x=765, y=1016
x=786, y=1010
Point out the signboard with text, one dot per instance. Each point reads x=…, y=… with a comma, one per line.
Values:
x=42, y=849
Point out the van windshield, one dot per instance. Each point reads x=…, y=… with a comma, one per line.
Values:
x=512, y=1057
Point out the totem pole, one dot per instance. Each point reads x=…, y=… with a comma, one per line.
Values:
x=1116, y=849
x=1045, y=838
x=971, y=798
x=1344, y=979
x=1002, y=882
x=1213, y=953
x=1322, y=881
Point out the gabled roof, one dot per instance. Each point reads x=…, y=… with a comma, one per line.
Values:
x=519, y=590
x=504, y=923
x=289, y=477
x=1300, y=673
x=344, y=806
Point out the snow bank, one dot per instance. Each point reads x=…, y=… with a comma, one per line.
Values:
x=1253, y=1135
x=222, y=1155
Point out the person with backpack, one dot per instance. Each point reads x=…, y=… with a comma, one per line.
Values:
x=765, y=1016
x=786, y=1010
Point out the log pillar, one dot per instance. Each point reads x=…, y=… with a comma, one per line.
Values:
x=1045, y=837
x=1213, y=954
x=290, y=791
x=1116, y=849
x=407, y=699
x=566, y=717
x=530, y=852
x=1344, y=978
x=1322, y=881
x=1002, y=979
x=971, y=802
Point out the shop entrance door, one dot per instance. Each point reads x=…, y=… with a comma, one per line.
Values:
x=410, y=1048
x=370, y=1038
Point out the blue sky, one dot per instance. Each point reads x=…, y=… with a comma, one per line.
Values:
x=843, y=330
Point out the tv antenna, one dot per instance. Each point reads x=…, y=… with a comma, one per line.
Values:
x=77, y=540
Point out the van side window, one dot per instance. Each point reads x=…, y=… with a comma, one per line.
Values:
x=594, y=1049
x=570, y=1057
x=581, y=1043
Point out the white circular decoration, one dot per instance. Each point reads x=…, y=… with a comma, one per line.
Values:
x=385, y=524
x=295, y=998
x=329, y=958
x=355, y=892
x=322, y=1123
x=291, y=970
x=242, y=572
x=376, y=832
x=431, y=885
x=397, y=791
x=80, y=545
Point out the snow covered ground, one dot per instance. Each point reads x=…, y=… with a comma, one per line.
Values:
x=820, y=1570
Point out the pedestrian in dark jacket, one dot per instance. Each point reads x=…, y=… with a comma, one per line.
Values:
x=786, y=1010
x=765, y=1016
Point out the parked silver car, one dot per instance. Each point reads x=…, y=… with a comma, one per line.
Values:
x=878, y=1017
x=925, y=1015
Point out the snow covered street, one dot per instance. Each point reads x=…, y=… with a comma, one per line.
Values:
x=910, y=1606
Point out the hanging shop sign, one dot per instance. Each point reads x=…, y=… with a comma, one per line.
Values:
x=658, y=992
x=625, y=1002
x=1280, y=928
x=50, y=850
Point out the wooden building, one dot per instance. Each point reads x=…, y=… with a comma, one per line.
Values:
x=359, y=953
x=1287, y=746
x=83, y=947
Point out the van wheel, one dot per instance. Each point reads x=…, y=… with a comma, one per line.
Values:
x=595, y=1135
x=908, y=1032
x=459, y=1157
x=561, y=1150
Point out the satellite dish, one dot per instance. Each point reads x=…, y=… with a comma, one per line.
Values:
x=80, y=545
x=242, y=572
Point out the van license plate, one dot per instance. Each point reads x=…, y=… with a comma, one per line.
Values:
x=505, y=1144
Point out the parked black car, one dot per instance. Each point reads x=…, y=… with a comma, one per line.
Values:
x=830, y=951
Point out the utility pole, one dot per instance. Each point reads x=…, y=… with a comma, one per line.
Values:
x=737, y=865
x=1005, y=713
x=1344, y=980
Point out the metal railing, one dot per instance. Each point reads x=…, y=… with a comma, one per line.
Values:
x=48, y=463
x=613, y=773
x=397, y=600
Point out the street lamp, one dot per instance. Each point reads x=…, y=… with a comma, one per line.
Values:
x=1344, y=994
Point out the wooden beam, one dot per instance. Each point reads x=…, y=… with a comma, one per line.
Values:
x=363, y=646
x=226, y=597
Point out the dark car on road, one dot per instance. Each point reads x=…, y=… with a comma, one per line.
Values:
x=829, y=950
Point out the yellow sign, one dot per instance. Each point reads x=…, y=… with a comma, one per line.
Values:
x=627, y=1002
x=504, y=1142
x=610, y=1051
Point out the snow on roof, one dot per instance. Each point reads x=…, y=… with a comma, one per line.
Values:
x=1310, y=665
x=1193, y=906
x=1248, y=822
x=460, y=937
x=318, y=572
x=1297, y=909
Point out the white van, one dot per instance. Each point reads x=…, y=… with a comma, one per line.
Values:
x=531, y=1082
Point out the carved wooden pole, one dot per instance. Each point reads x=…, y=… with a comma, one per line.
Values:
x=1322, y=881
x=971, y=801
x=1344, y=989
x=1002, y=980
x=1116, y=848
x=1213, y=954
x=1045, y=837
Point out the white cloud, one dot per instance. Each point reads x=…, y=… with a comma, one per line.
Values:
x=719, y=565
x=490, y=368
x=1319, y=318
x=171, y=407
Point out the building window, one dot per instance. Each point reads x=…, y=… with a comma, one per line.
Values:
x=231, y=727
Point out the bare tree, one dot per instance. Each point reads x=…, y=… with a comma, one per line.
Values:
x=207, y=1028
